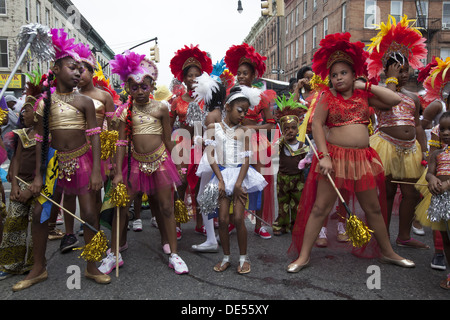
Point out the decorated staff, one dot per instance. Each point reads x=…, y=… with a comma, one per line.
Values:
x=95, y=250
x=35, y=39
x=119, y=198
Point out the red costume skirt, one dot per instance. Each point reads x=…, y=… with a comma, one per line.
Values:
x=355, y=170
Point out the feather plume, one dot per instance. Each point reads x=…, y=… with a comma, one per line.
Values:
x=253, y=95
x=124, y=65
x=190, y=56
x=64, y=47
x=238, y=54
x=204, y=87
x=86, y=54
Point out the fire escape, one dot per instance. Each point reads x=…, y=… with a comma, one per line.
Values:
x=430, y=26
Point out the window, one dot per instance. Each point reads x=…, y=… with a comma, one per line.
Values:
x=314, y=5
x=56, y=23
x=287, y=24
x=4, y=61
x=296, y=16
x=305, y=9
x=304, y=43
x=370, y=11
x=396, y=10
x=2, y=7
x=314, y=37
x=446, y=15
x=38, y=12
x=325, y=27
x=422, y=13
x=344, y=17
x=47, y=17
x=287, y=54
x=296, y=48
x=27, y=10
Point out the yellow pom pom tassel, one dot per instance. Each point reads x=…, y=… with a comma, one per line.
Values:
x=358, y=233
x=119, y=196
x=95, y=250
x=181, y=212
x=108, y=140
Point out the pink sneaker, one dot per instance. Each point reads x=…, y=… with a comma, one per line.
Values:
x=262, y=232
x=179, y=233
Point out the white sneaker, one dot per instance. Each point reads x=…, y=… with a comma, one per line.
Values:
x=109, y=263
x=137, y=225
x=176, y=263
x=154, y=223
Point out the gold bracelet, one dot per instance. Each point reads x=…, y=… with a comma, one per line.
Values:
x=392, y=80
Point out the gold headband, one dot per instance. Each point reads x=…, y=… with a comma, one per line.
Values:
x=288, y=119
x=338, y=56
x=191, y=61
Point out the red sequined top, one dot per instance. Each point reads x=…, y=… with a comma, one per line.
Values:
x=443, y=163
x=180, y=107
x=343, y=112
x=267, y=97
x=401, y=115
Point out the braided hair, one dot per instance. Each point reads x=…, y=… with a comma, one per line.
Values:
x=218, y=98
x=129, y=134
x=47, y=104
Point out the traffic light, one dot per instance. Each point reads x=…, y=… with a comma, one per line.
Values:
x=154, y=53
x=266, y=8
x=280, y=8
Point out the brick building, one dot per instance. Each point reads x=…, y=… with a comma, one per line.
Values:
x=306, y=22
x=54, y=14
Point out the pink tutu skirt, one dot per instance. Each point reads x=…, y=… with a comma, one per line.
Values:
x=75, y=168
x=151, y=172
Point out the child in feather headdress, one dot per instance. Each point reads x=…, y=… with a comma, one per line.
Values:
x=290, y=178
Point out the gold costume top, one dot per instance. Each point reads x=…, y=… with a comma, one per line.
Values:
x=143, y=121
x=63, y=116
x=100, y=109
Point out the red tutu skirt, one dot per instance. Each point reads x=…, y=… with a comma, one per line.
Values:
x=355, y=170
x=151, y=172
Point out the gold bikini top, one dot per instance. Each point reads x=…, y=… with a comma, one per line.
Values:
x=100, y=109
x=63, y=116
x=143, y=121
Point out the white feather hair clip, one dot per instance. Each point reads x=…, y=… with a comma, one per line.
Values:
x=253, y=95
x=204, y=87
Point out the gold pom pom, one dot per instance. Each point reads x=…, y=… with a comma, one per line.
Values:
x=95, y=250
x=119, y=196
x=108, y=140
x=358, y=233
x=181, y=212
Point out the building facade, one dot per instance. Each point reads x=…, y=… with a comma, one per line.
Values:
x=306, y=22
x=51, y=13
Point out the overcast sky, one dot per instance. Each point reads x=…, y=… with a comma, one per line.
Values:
x=214, y=25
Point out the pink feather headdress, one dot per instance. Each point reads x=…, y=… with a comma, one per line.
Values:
x=86, y=54
x=393, y=37
x=133, y=65
x=63, y=46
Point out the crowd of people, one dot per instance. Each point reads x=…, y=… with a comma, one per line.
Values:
x=343, y=137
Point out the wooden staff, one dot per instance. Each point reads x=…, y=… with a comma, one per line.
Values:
x=416, y=184
x=62, y=208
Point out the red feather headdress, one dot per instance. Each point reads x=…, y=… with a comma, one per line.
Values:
x=238, y=54
x=425, y=71
x=187, y=57
x=437, y=80
x=394, y=38
x=338, y=48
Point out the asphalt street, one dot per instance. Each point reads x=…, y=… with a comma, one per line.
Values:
x=333, y=274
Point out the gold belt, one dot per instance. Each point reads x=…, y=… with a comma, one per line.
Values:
x=150, y=162
x=68, y=161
